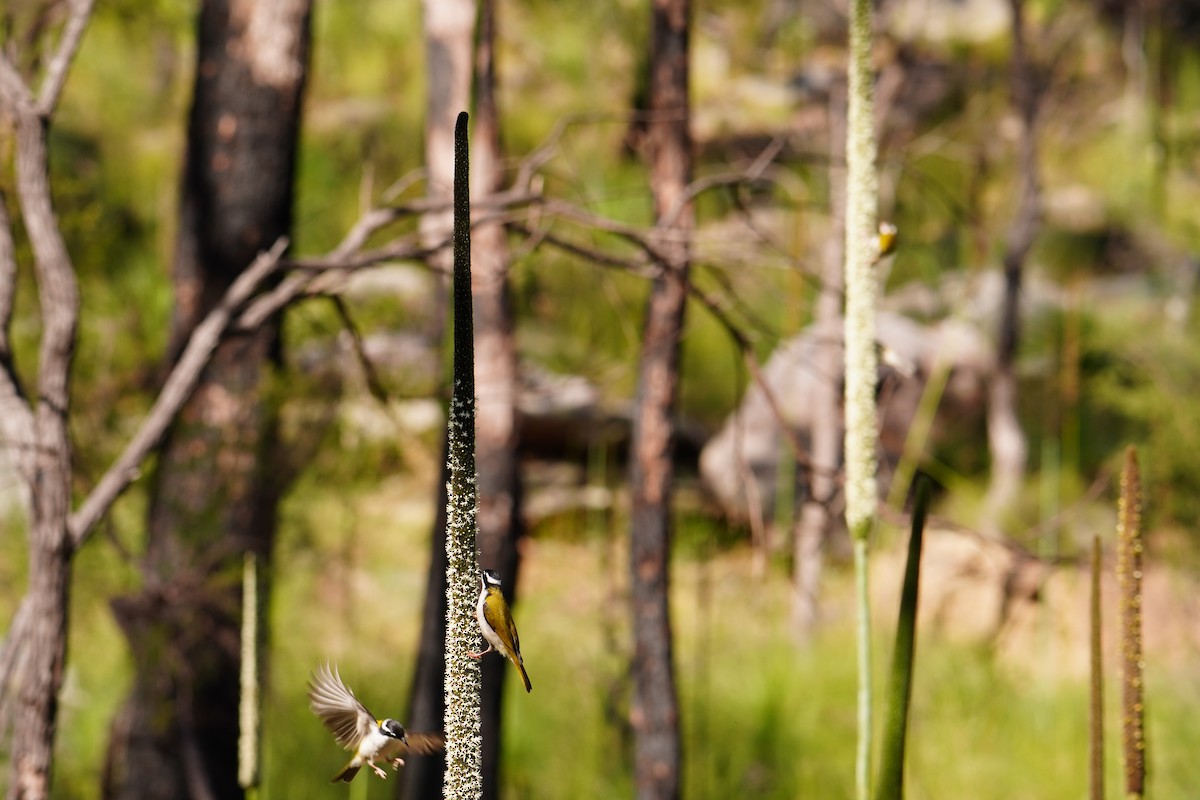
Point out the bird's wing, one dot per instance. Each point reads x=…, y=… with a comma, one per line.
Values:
x=337, y=707
x=424, y=744
x=502, y=624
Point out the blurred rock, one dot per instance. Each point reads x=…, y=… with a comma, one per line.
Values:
x=971, y=585
x=1034, y=615
x=750, y=444
x=947, y=21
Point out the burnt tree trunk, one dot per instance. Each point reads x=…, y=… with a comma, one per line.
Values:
x=499, y=484
x=655, y=710
x=216, y=490
x=422, y=775
x=1006, y=439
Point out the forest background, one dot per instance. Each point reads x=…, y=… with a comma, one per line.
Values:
x=1106, y=358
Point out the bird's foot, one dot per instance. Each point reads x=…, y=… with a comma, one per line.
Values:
x=480, y=655
x=379, y=772
x=397, y=763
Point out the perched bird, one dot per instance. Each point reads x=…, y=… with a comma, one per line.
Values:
x=357, y=729
x=496, y=624
x=888, y=233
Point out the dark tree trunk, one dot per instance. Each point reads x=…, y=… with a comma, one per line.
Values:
x=1006, y=439
x=422, y=775
x=499, y=483
x=216, y=488
x=655, y=711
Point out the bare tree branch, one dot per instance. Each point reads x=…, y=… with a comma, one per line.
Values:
x=641, y=267
x=58, y=293
x=756, y=172
x=246, y=306
x=175, y=392
x=16, y=420
x=370, y=374
x=60, y=64
x=645, y=268
x=318, y=277
x=12, y=85
x=241, y=309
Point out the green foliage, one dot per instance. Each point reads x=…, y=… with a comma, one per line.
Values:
x=1138, y=386
x=761, y=718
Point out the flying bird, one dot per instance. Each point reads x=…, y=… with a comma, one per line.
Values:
x=357, y=729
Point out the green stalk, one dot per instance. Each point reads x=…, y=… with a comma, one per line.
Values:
x=1129, y=581
x=895, y=732
x=464, y=740
x=1096, y=738
x=861, y=366
x=919, y=430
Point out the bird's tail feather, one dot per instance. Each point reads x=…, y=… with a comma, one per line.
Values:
x=348, y=772
x=519, y=664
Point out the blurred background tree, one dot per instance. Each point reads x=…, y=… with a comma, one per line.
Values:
x=221, y=469
x=1105, y=358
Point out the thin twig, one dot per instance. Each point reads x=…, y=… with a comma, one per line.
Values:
x=60, y=64
x=646, y=269
x=374, y=383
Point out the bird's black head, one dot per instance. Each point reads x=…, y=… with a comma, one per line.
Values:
x=392, y=728
x=491, y=578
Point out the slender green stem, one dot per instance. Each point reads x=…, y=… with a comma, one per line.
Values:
x=862, y=762
x=861, y=360
x=891, y=769
x=463, y=720
x=1096, y=739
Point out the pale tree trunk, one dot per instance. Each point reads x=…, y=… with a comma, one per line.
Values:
x=449, y=40
x=449, y=33
x=499, y=483
x=45, y=608
x=218, y=482
x=813, y=525
x=35, y=431
x=37, y=439
x=1006, y=439
x=655, y=710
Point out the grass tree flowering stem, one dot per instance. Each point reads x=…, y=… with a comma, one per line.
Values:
x=861, y=360
x=464, y=741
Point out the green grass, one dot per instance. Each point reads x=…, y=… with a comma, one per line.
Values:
x=761, y=717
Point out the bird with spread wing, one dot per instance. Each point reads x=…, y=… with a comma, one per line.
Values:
x=357, y=729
